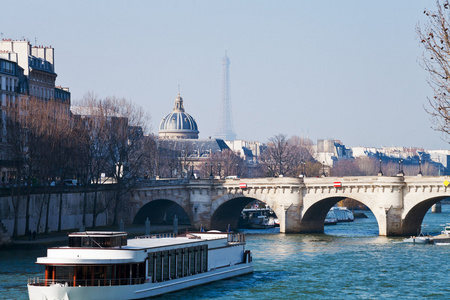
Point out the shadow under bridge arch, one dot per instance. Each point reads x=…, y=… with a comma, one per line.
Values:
x=313, y=219
x=411, y=224
x=161, y=211
x=229, y=212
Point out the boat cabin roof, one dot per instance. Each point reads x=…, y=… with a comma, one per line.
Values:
x=135, y=251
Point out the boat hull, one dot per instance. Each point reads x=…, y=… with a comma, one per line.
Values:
x=419, y=240
x=137, y=291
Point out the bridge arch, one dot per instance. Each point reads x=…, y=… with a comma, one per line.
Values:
x=227, y=209
x=413, y=216
x=313, y=216
x=162, y=211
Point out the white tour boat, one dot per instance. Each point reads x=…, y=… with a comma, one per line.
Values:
x=105, y=265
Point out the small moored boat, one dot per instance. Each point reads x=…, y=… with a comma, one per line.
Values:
x=420, y=239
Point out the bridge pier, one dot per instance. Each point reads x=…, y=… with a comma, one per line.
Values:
x=393, y=225
x=437, y=208
x=201, y=213
x=289, y=218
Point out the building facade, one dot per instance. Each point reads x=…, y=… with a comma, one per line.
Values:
x=249, y=151
x=38, y=66
x=330, y=151
x=26, y=72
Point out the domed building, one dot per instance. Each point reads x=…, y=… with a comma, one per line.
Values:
x=178, y=124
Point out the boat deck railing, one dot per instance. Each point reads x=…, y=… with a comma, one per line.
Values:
x=235, y=238
x=40, y=281
x=157, y=236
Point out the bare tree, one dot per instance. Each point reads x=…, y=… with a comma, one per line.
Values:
x=434, y=36
x=125, y=129
x=149, y=162
x=274, y=159
x=112, y=131
x=16, y=135
x=167, y=158
x=225, y=163
x=32, y=128
x=346, y=168
x=284, y=157
x=90, y=125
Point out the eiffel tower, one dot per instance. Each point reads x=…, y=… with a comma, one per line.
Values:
x=225, y=130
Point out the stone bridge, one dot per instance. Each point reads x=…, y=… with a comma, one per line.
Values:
x=301, y=204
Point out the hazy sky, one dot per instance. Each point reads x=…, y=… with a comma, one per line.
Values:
x=320, y=69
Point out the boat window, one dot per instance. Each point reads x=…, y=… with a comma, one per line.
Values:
x=204, y=258
x=171, y=264
x=63, y=272
x=156, y=270
x=165, y=264
x=194, y=260
x=96, y=275
x=96, y=241
x=151, y=266
x=181, y=262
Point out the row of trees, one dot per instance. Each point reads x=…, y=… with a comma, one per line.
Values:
x=102, y=139
x=294, y=157
x=289, y=157
x=46, y=144
x=368, y=166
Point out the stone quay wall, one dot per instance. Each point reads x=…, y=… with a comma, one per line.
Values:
x=43, y=205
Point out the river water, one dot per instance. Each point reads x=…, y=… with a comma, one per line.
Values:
x=349, y=261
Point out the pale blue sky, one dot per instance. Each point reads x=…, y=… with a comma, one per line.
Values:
x=325, y=69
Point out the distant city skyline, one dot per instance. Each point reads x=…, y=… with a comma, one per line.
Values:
x=344, y=70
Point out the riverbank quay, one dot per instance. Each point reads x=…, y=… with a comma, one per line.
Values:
x=53, y=239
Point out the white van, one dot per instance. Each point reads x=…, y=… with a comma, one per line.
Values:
x=232, y=177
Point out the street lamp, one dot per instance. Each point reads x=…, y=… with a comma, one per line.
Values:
x=219, y=169
x=400, y=167
x=211, y=174
x=302, y=169
x=420, y=167
x=380, y=173
x=206, y=169
x=323, y=169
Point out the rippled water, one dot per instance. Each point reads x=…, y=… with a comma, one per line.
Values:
x=349, y=261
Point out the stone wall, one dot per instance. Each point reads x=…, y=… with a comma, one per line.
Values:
x=42, y=205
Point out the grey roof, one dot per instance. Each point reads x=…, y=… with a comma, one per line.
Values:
x=194, y=146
